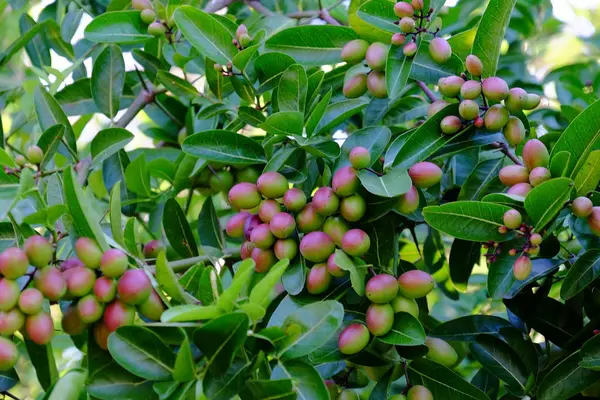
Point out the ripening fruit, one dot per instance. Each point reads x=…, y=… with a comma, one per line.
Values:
x=105, y=289
x=88, y=252
x=436, y=107
x=535, y=154
x=244, y=195
x=70, y=263
x=153, y=307
x=356, y=242
x=13, y=263
x=379, y=319
x=118, y=314
x=285, y=248
x=494, y=88
x=309, y=220
x=514, y=131
x=89, y=309
x=419, y=392
x=39, y=328
x=334, y=269
x=381, y=288
x=360, y=157
x=272, y=185
x=242, y=36
x=415, y=284
x=141, y=4
x=441, y=352
x=154, y=247
x=71, y=323
x=376, y=56
x=440, y=50
x=474, y=65
x=294, y=199
x=235, y=224
x=409, y=201
x=263, y=260
x=376, y=85
x=450, y=125
x=39, y=251
x=450, y=85
x=470, y=90
x=520, y=189
x=262, y=237
x=531, y=101
x=246, y=250
x=355, y=86
x=355, y=51
x=222, y=181
x=512, y=219
x=409, y=49
x=407, y=24
x=513, y=174
x=114, y=263
x=402, y=9
x=417, y=4
x=353, y=207
x=539, y=175
x=51, y=283
x=336, y=227
x=405, y=304
x=398, y=39
x=582, y=207
x=11, y=321
x=515, y=99
x=397, y=397
x=248, y=174
x=496, y=117
x=536, y=239
x=317, y=246
x=148, y=16
x=282, y=225
x=353, y=338
x=20, y=160
x=80, y=281
x=101, y=334
x=478, y=122
x=157, y=29
x=325, y=201
x=522, y=268
x=425, y=174
x=594, y=221
x=468, y=110
x=31, y=301
x=35, y=154
x=345, y=181
x=9, y=355
x=251, y=222
x=9, y=294
x=318, y=279
x=134, y=286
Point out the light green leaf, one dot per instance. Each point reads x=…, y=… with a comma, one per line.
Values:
x=339, y=112
x=224, y=146
x=357, y=274
x=108, y=80
x=406, y=331
x=545, y=201
x=122, y=27
x=167, y=281
x=116, y=226
x=178, y=231
x=137, y=177
x=308, y=383
x=49, y=113
x=190, y=313
x=292, y=89
x=284, y=123
x=589, y=174
x=394, y=183
x=261, y=293
x=107, y=142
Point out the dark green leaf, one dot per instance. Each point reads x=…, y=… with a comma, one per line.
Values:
x=108, y=80
x=292, y=89
x=49, y=113
x=308, y=382
x=463, y=257
x=465, y=329
x=42, y=358
x=178, y=231
x=545, y=201
x=107, y=142
x=357, y=274
x=590, y=354
x=224, y=146
x=589, y=174
x=338, y=112
x=583, y=272
x=209, y=230
x=284, y=123
x=406, y=331
x=566, y=379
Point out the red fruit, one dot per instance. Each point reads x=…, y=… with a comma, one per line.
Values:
x=118, y=314
x=381, y=288
x=379, y=318
x=450, y=124
x=235, y=224
x=334, y=269
x=294, y=199
x=244, y=196
x=153, y=248
x=13, y=263
x=409, y=202
x=316, y=246
x=336, y=227
x=31, y=301
x=514, y=131
x=594, y=221
x=318, y=279
x=450, y=86
x=246, y=250
x=496, y=117
x=419, y=392
x=88, y=252
x=522, y=268
x=263, y=260
x=39, y=328
x=308, y=219
x=80, y=281
x=251, y=222
x=39, y=251
x=153, y=307
x=101, y=333
x=9, y=294
x=262, y=237
x=105, y=289
x=515, y=100
x=425, y=174
x=535, y=154
x=285, y=248
x=402, y=9
x=51, y=283
x=267, y=210
x=536, y=239
x=436, y=107
x=468, y=110
x=398, y=39
x=356, y=242
x=376, y=84
x=114, y=263
x=134, y=286
x=520, y=189
x=478, y=122
x=325, y=201
x=11, y=321
x=355, y=86
x=89, y=309
x=353, y=339
x=272, y=185
x=582, y=207
x=407, y=24
x=282, y=225
x=9, y=355
x=513, y=174
x=415, y=284
x=470, y=90
x=71, y=323
x=345, y=181
x=409, y=49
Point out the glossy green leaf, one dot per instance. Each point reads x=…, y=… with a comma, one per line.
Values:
x=559, y=164
x=566, y=379
x=394, y=183
x=263, y=389
x=226, y=386
x=209, y=229
x=398, y=68
x=38, y=49
x=467, y=328
x=49, y=114
x=486, y=382
x=184, y=368
x=589, y=174
x=406, y=331
x=167, y=280
x=107, y=142
x=178, y=86
x=308, y=383
x=339, y=112
x=292, y=89
x=116, y=226
x=70, y=386
x=138, y=177
x=501, y=279
x=190, y=313
x=294, y=277
x=590, y=354
x=284, y=123
x=584, y=271
x=357, y=274
x=23, y=40
x=178, y=231
x=243, y=274
x=476, y=184
x=425, y=69
x=464, y=255
x=108, y=80
x=261, y=293
x=224, y=146
x=545, y=201
x=50, y=141
x=121, y=27
x=42, y=358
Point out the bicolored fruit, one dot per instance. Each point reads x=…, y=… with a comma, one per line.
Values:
x=332, y=388
x=31, y=301
x=468, y=110
x=425, y=174
x=514, y=131
x=515, y=99
x=522, y=268
x=325, y=201
x=11, y=321
x=407, y=24
x=450, y=85
x=88, y=252
x=35, y=154
x=148, y=16
x=70, y=263
x=141, y=4
x=356, y=242
x=9, y=355
x=282, y=225
x=398, y=39
x=440, y=50
x=114, y=263
x=241, y=30
x=9, y=294
x=441, y=352
x=536, y=239
x=376, y=85
x=105, y=289
x=381, y=289
x=134, y=286
x=360, y=157
x=272, y=185
x=262, y=237
x=345, y=181
x=157, y=29
x=153, y=307
x=582, y=207
x=512, y=219
x=246, y=250
x=51, y=283
x=379, y=319
x=353, y=207
x=496, y=117
x=535, y=154
x=13, y=263
x=354, y=338
x=39, y=251
x=450, y=124
x=318, y=279
x=263, y=260
x=531, y=101
x=309, y=220
x=418, y=4
x=101, y=334
x=355, y=51
x=513, y=174
x=294, y=199
x=419, y=392
x=285, y=248
x=520, y=189
x=470, y=90
x=71, y=323
x=336, y=227
x=409, y=49
x=539, y=175
x=405, y=304
x=402, y=9
x=222, y=181
x=244, y=196
x=494, y=88
x=80, y=281
x=118, y=314
x=436, y=107
x=154, y=247
x=594, y=221
x=316, y=246
x=478, y=122
x=248, y=174
x=334, y=269
x=474, y=65
x=376, y=56
x=20, y=160
x=415, y=284
x=89, y=309
x=355, y=86
x=39, y=328
x=251, y=222
x=235, y=224
x=409, y=201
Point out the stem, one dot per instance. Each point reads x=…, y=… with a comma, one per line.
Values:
x=216, y=5
x=258, y=7
x=504, y=149
x=430, y=95
x=325, y=16
x=143, y=98
x=182, y=265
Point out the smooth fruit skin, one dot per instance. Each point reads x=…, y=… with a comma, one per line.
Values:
x=425, y=174
x=345, y=181
x=153, y=307
x=39, y=251
x=246, y=250
x=470, y=90
x=353, y=208
x=31, y=301
x=309, y=220
x=80, y=281
x=318, y=279
x=360, y=157
x=283, y=225
x=376, y=56
x=520, y=189
x=474, y=65
x=118, y=314
x=514, y=131
x=494, y=88
x=512, y=219
x=9, y=355
x=35, y=154
x=262, y=237
x=285, y=248
x=539, y=175
x=39, y=328
x=101, y=333
x=417, y=4
x=441, y=352
x=294, y=200
x=535, y=154
x=407, y=24
x=415, y=284
x=147, y=16
x=398, y=39
x=251, y=222
x=157, y=29
x=222, y=181
x=450, y=124
x=410, y=49
x=154, y=247
x=134, y=287
x=355, y=86
x=267, y=210
x=402, y=9
x=405, y=304
x=419, y=392
x=496, y=117
x=440, y=50
x=316, y=246
x=594, y=221
x=244, y=196
x=381, y=289
x=105, y=289
x=531, y=101
x=20, y=160
x=409, y=201
x=13, y=263
x=353, y=339
x=70, y=263
x=272, y=185
x=141, y=4
x=9, y=294
x=114, y=263
x=379, y=319
x=248, y=174
x=11, y=321
x=235, y=224
x=336, y=227
x=325, y=201
x=468, y=110
x=522, y=268
x=51, y=283
x=333, y=269
x=263, y=260
x=515, y=99
x=356, y=242
x=355, y=51
x=513, y=174
x=582, y=207
x=89, y=309
x=436, y=107
x=88, y=252
x=376, y=85
x=450, y=86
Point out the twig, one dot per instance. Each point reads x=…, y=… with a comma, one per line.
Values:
x=216, y=5
x=12, y=396
x=504, y=149
x=182, y=265
x=258, y=7
x=430, y=95
x=143, y=98
x=326, y=16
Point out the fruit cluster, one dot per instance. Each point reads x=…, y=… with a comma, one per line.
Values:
x=582, y=207
x=523, y=178
x=33, y=157
x=156, y=27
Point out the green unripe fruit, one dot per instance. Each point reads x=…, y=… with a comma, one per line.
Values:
x=407, y=24
x=535, y=154
x=398, y=39
x=39, y=251
x=294, y=199
x=402, y=9
x=474, y=65
x=35, y=154
x=325, y=201
x=360, y=157
x=376, y=56
x=9, y=355
x=382, y=289
x=425, y=174
x=248, y=174
x=354, y=338
x=522, y=268
x=31, y=301
x=244, y=196
x=496, y=117
x=441, y=352
x=494, y=88
x=379, y=319
x=376, y=85
x=263, y=260
x=440, y=50
x=450, y=125
x=594, y=221
x=336, y=228
x=13, y=263
x=153, y=307
x=262, y=237
x=39, y=328
x=157, y=29
x=148, y=16
x=141, y=4
x=450, y=85
x=89, y=309
x=285, y=248
x=246, y=250
x=105, y=289
x=272, y=185
x=316, y=246
x=355, y=86
x=468, y=110
x=51, y=283
x=356, y=242
x=355, y=51
x=134, y=286
x=80, y=281
x=11, y=321
x=222, y=181
x=118, y=314
x=409, y=201
x=318, y=279
x=410, y=49
x=345, y=181
x=513, y=174
x=582, y=207
x=415, y=284
x=235, y=224
x=531, y=101
x=114, y=263
x=282, y=225
x=153, y=248
x=514, y=131
x=417, y=4
x=512, y=219
x=515, y=100
x=397, y=397
x=405, y=304
x=88, y=252
x=267, y=210
x=539, y=175
x=9, y=294
x=241, y=30
x=20, y=160
x=436, y=107
x=309, y=220
x=470, y=90
x=419, y=392
x=520, y=189
x=353, y=208
x=101, y=334
x=334, y=269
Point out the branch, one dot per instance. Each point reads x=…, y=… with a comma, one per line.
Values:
x=430, y=95
x=182, y=265
x=144, y=97
x=216, y=5
x=258, y=7
x=326, y=16
x=504, y=149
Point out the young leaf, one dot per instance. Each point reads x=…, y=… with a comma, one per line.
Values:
x=261, y=293
x=357, y=275
x=545, y=201
x=178, y=231
x=190, y=313
x=108, y=80
x=167, y=280
x=121, y=27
